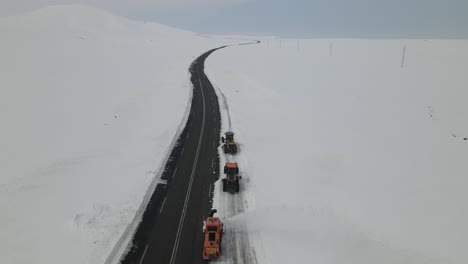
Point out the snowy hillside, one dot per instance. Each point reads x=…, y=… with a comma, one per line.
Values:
x=90, y=104
x=350, y=153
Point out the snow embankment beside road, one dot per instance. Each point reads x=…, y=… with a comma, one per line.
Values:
x=355, y=153
x=90, y=104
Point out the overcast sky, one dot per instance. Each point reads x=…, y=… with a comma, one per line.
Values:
x=289, y=18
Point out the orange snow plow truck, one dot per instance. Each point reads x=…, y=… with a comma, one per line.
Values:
x=229, y=145
x=213, y=229
x=231, y=182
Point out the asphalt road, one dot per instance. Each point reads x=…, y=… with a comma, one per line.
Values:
x=171, y=230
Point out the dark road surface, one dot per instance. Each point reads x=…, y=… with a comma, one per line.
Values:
x=171, y=230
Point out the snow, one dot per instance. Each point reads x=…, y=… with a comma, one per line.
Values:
x=349, y=152
x=90, y=105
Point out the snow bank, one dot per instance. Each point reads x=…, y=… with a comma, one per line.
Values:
x=355, y=153
x=90, y=104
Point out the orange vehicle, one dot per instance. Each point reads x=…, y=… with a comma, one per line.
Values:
x=213, y=229
x=230, y=145
x=231, y=182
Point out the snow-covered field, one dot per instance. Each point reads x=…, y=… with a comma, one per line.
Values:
x=90, y=104
x=349, y=153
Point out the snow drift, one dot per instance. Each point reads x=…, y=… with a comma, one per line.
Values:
x=351, y=153
x=90, y=104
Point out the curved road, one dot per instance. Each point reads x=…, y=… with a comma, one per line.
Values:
x=171, y=229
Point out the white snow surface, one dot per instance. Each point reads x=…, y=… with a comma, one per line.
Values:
x=349, y=153
x=90, y=106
